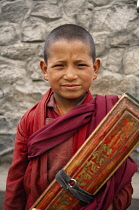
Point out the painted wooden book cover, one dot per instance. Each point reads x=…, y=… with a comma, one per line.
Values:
x=99, y=157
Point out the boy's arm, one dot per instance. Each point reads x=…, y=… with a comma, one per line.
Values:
x=123, y=198
x=15, y=194
x=121, y=201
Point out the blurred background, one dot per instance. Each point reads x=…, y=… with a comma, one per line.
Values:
x=24, y=25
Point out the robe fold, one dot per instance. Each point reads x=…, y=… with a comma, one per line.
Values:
x=36, y=142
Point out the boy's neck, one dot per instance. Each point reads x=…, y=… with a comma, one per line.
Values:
x=65, y=105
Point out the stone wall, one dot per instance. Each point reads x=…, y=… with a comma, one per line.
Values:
x=24, y=24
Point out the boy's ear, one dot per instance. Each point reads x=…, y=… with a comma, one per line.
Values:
x=96, y=68
x=44, y=69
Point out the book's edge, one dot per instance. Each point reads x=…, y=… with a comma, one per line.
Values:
x=132, y=97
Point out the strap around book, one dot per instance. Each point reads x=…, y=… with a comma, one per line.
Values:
x=71, y=185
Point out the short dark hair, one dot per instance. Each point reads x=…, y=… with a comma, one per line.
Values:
x=70, y=32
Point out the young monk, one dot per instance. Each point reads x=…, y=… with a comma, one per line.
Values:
x=50, y=133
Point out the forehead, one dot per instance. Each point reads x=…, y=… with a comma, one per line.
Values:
x=69, y=46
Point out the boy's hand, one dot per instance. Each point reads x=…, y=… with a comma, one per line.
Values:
x=35, y=209
x=111, y=207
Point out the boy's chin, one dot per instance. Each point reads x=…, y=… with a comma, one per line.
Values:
x=75, y=98
x=70, y=96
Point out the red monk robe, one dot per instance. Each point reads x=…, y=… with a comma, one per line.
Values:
x=28, y=179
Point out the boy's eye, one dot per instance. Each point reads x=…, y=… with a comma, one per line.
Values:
x=82, y=65
x=58, y=65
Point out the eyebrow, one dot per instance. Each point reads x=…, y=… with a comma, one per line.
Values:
x=65, y=61
x=58, y=61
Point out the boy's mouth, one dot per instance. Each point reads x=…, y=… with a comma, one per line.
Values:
x=71, y=86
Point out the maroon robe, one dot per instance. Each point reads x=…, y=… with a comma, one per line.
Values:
x=28, y=179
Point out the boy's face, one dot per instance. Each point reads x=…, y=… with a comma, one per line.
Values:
x=70, y=69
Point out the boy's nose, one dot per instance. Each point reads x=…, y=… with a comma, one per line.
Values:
x=70, y=73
